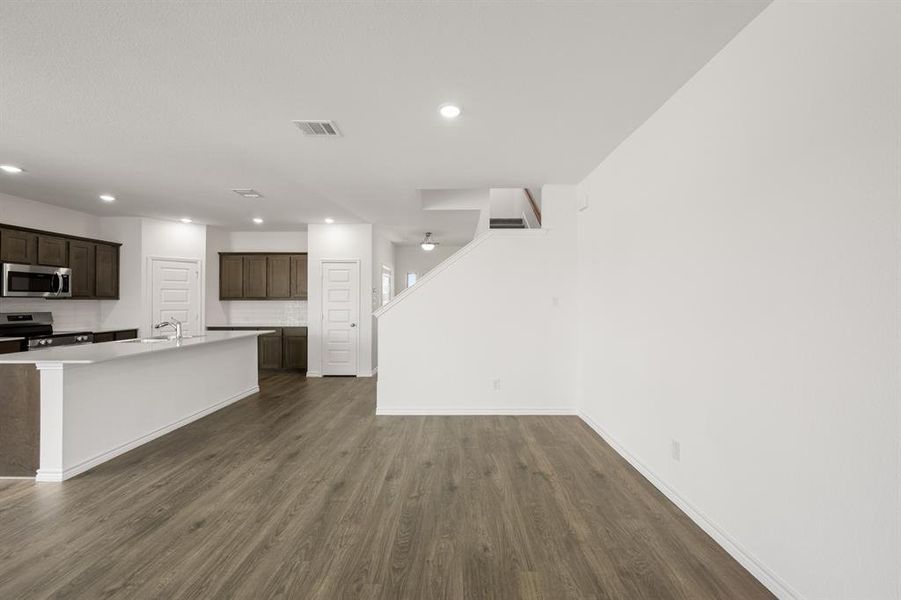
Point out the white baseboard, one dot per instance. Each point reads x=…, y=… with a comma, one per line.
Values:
x=419, y=411
x=57, y=475
x=314, y=374
x=763, y=574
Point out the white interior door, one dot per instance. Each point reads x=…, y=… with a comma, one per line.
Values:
x=340, y=317
x=176, y=293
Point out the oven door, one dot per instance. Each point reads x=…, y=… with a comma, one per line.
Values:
x=31, y=281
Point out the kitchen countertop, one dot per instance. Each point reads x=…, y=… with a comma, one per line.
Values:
x=236, y=325
x=94, y=353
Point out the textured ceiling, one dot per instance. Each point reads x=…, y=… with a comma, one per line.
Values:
x=169, y=105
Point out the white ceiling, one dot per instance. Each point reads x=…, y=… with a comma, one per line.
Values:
x=170, y=105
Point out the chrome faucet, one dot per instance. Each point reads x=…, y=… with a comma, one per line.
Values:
x=174, y=323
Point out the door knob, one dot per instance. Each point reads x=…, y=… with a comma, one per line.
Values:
x=353, y=324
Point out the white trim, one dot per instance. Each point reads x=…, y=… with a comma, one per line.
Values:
x=60, y=475
x=363, y=301
x=450, y=260
x=419, y=411
x=763, y=574
x=314, y=374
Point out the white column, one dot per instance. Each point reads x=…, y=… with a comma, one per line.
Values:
x=51, y=434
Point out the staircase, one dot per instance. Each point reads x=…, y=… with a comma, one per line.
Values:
x=507, y=224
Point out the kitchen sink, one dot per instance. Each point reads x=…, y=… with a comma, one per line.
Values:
x=151, y=340
x=160, y=338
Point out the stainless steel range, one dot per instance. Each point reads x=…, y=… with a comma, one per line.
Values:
x=37, y=328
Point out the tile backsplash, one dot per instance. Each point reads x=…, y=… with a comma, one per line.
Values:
x=264, y=312
x=68, y=315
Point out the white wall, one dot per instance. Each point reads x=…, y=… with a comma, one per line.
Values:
x=738, y=271
x=336, y=242
x=169, y=239
x=38, y=215
x=251, y=312
x=128, y=310
x=501, y=309
x=413, y=259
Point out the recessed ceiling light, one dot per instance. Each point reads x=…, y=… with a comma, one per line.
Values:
x=107, y=197
x=449, y=111
x=258, y=220
x=11, y=169
x=186, y=220
x=329, y=220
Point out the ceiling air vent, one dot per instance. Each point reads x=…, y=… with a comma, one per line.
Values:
x=248, y=193
x=318, y=128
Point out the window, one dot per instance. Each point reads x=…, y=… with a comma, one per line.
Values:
x=386, y=285
x=411, y=279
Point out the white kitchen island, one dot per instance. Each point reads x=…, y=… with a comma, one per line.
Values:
x=100, y=400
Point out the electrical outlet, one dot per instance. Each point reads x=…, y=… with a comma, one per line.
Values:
x=676, y=450
x=497, y=385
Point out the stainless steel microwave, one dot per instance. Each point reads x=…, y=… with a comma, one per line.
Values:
x=32, y=281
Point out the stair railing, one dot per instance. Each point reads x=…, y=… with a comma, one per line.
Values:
x=534, y=206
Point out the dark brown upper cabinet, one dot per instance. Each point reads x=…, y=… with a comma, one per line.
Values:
x=299, y=276
x=278, y=276
x=53, y=251
x=84, y=271
x=262, y=276
x=107, y=271
x=94, y=263
x=231, y=277
x=18, y=246
x=255, y=277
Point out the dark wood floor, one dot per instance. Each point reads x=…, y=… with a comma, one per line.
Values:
x=301, y=492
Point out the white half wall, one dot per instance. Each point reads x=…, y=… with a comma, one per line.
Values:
x=738, y=272
x=490, y=330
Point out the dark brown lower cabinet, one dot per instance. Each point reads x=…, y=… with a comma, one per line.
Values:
x=10, y=346
x=294, y=348
x=270, y=350
x=285, y=348
x=113, y=336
